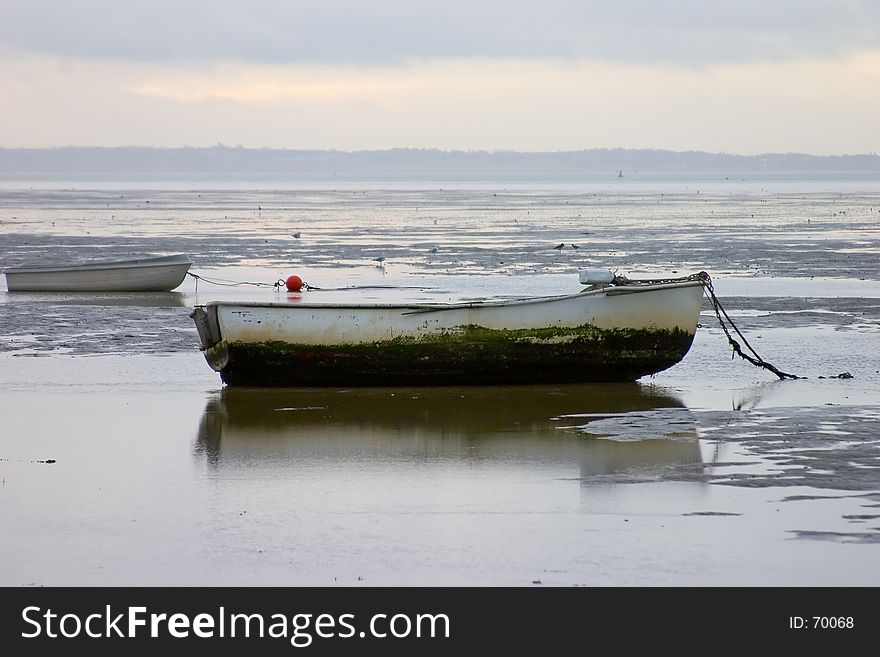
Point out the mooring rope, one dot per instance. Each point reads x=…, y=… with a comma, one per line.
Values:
x=229, y=283
x=754, y=358
x=280, y=283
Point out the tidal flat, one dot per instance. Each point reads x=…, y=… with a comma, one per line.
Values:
x=124, y=461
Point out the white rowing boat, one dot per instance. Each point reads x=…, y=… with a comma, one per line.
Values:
x=160, y=274
x=619, y=331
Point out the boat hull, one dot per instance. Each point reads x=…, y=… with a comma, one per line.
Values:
x=614, y=334
x=144, y=275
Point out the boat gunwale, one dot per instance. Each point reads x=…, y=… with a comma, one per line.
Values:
x=414, y=308
x=159, y=261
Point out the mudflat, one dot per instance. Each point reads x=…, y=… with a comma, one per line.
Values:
x=125, y=461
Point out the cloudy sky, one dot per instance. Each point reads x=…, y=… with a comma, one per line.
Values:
x=739, y=76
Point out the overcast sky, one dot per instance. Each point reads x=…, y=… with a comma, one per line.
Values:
x=739, y=76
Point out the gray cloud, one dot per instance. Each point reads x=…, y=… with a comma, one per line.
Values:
x=688, y=32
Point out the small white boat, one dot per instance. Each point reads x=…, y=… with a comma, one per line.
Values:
x=618, y=331
x=160, y=274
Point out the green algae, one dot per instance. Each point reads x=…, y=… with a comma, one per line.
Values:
x=465, y=355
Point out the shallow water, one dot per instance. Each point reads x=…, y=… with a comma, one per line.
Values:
x=710, y=473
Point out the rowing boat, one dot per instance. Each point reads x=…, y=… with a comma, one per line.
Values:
x=617, y=331
x=159, y=274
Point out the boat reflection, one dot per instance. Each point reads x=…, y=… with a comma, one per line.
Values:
x=133, y=299
x=273, y=429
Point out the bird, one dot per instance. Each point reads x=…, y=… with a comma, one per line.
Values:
x=575, y=246
x=434, y=249
x=380, y=259
x=296, y=234
x=559, y=246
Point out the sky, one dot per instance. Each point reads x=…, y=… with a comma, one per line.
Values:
x=738, y=76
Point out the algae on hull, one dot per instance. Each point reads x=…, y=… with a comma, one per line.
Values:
x=467, y=355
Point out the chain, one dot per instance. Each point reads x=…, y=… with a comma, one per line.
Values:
x=753, y=358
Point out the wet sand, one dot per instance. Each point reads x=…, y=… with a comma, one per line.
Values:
x=124, y=461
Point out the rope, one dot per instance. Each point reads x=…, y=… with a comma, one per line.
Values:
x=228, y=283
x=623, y=280
x=306, y=286
x=753, y=358
x=280, y=283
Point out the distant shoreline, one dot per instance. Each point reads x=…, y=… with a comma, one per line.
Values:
x=404, y=164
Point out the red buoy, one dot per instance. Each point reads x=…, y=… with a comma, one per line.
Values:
x=294, y=283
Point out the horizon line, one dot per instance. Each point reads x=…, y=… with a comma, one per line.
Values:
x=435, y=149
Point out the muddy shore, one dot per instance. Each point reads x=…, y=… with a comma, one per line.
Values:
x=125, y=461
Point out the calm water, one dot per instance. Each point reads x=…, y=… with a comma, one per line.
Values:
x=710, y=473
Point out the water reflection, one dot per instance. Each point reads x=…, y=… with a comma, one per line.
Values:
x=131, y=299
x=270, y=430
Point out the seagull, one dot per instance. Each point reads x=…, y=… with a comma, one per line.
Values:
x=296, y=234
x=559, y=246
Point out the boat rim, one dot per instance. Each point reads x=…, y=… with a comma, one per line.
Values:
x=158, y=261
x=632, y=287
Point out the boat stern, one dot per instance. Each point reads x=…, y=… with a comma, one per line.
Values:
x=212, y=344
